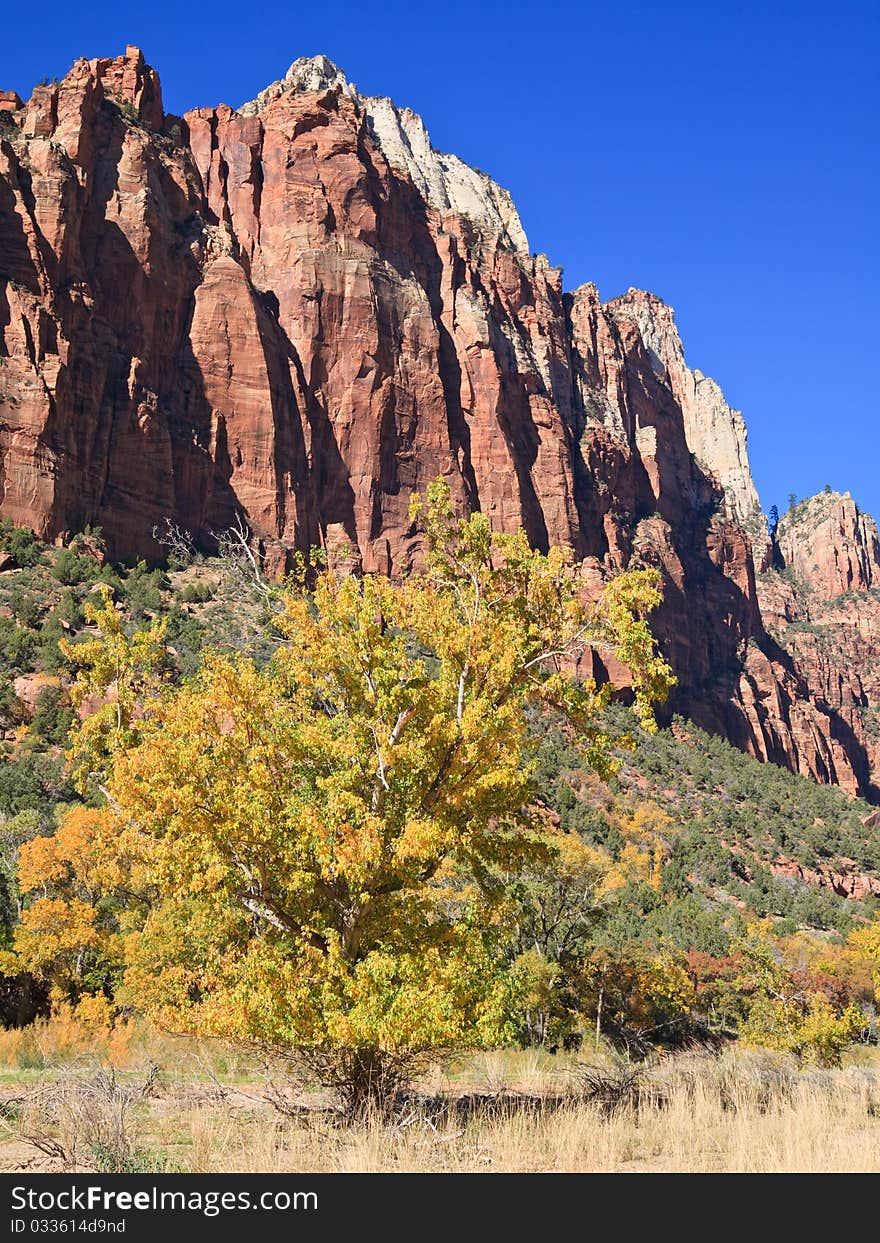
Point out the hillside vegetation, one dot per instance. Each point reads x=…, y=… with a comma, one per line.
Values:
x=688, y=892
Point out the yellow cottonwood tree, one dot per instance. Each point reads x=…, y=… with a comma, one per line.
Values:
x=865, y=942
x=73, y=923
x=785, y=1016
x=321, y=830
x=117, y=670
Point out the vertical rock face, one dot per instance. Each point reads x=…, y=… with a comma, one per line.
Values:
x=96, y=297
x=650, y=501
x=822, y=604
x=300, y=312
x=715, y=433
x=445, y=182
x=421, y=341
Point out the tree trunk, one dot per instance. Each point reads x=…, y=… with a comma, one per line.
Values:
x=371, y=1083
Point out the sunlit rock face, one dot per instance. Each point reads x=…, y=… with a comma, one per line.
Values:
x=299, y=312
x=830, y=545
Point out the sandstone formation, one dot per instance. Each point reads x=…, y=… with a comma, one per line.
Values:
x=715, y=433
x=847, y=884
x=821, y=602
x=298, y=312
x=830, y=545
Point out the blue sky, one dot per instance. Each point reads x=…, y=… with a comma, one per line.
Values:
x=722, y=155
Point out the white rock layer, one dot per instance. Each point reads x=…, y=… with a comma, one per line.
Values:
x=715, y=432
x=444, y=181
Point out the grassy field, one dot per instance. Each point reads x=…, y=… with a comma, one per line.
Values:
x=179, y=1106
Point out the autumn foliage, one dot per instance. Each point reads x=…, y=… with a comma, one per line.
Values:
x=345, y=853
x=320, y=839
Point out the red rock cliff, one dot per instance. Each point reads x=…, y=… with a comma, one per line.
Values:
x=821, y=601
x=299, y=311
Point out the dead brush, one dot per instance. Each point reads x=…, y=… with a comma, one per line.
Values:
x=284, y=1082
x=86, y=1122
x=446, y=1109
x=611, y=1089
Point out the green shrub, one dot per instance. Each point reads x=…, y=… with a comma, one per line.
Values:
x=69, y=610
x=72, y=568
x=33, y=781
x=17, y=646
x=47, y=654
x=53, y=716
x=25, y=608
x=142, y=590
x=20, y=543
x=196, y=593
x=189, y=637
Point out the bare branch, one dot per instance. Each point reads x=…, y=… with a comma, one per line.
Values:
x=402, y=719
x=238, y=559
x=262, y=912
x=177, y=540
x=459, y=711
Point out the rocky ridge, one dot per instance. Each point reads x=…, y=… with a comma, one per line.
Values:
x=299, y=312
x=830, y=545
x=821, y=602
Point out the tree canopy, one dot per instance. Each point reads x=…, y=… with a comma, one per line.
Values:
x=321, y=834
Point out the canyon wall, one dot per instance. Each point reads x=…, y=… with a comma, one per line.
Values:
x=300, y=312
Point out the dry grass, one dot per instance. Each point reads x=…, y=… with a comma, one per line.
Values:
x=740, y=1111
x=53, y=1046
